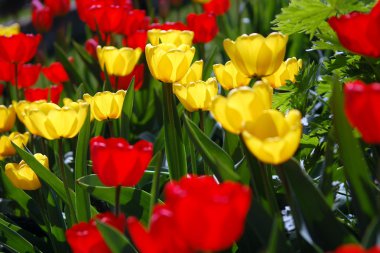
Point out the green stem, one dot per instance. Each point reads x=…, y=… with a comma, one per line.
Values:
x=226, y=26
x=155, y=185
x=268, y=187
x=110, y=127
x=202, y=127
x=117, y=200
x=150, y=8
x=193, y=158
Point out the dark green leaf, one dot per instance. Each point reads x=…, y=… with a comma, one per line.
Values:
x=127, y=110
x=115, y=240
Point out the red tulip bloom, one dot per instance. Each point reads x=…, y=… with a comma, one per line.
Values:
x=361, y=105
x=42, y=18
x=204, y=26
x=123, y=82
x=18, y=48
x=218, y=7
x=58, y=7
x=6, y=70
x=137, y=39
x=85, y=237
x=117, y=163
x=27, y=75
x=51, y=93
x=133, y=21
x=355, y=248
x=55, y=73
x=107, y=18
x=169, y=26
x=90, y=46
x=362, y=41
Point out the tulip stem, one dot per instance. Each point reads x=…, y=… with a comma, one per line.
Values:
x=202, y=127
x=155, y=185
x=117, y=200
x=16, y=82
x=65, y=182
x=110, y=127
x=149, y=6
x=193, y=158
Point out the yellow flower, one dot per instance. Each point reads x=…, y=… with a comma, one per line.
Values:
x=287, y=71
x=53, y=122
x=6, y=147
x=242, y=106
x=176, y=37
x=229, y=76
x=118, y=62
x=167, y=62
x=273, y=138
x=106, y=105
x=9, y=30
x=22, y=176
x=255, y=55
x=7, y=118
x=22, y=105
x=194, y=73
x=196, y=95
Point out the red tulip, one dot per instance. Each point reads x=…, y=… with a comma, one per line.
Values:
x=18, y=48
x=107, y=18
x=42, y=18
x=133, y=21
x=361, y=107
x=117, y=163
x=51, y=93
x=137, y=39
x=85, y=237
x=27, y=75
x=204, y=26
x=90, y=46
x=361, y=41
x=355, y=248
x=124, y=81
x=169, y=26
x=58, y=7
x=6, y=70
x=218, y=7
x=56, y=73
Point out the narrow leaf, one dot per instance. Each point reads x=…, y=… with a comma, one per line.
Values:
x=115, y=240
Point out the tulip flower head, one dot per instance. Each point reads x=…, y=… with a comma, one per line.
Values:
x=42, y=17
x=21, y=106
x=58, y=7
x=6, y=147
x=356, y=248
x=176, y=37
x=204, y=26
x=7, y=118
x=55, y=73
x=106, y=18
x=273, y=138
x=9, y=30
x=287, y=71
x=255, y=55
x=229, y=76
x=22, y=176
x=27, y=75
x=18, y=48
x=218, y=7
x=123, y=82
x=193, y=74
x=6, y=71
x=51, y=93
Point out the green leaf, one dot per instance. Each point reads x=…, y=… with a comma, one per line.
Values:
x=127, y=110
x=71, y=70
x=219, y=161
x=115, y=240
x=209, y=63
x=372, y=234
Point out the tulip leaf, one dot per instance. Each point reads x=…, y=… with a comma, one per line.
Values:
x=209, y=63
x=127, y=110
x=313, y=217
x=115, y=240
x=71, y=70
x=219, y=161
x=355, y=166
x=372, y=234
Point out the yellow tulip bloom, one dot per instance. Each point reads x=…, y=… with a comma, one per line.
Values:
x=22, y=176
x=229, y=76
x=176, y=37
x=273, y=138
x=106, y=105
x=196, y=95
x=255, y=55
x=7, y=118
x=6, y=147
x=20, y=107
x=9, y=30
x=53, y=122
x=242, y=106
x=287, y=71
x=194, y=73
x=167, y=62
x=118, y=62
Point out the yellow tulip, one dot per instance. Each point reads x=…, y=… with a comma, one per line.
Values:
x=9, y=30
x=194, y=73
x=167, y=62
x=118, y=62
x=242, y=106
x=106, y=105
x=196, y=95
x=176, y=37
x=287, y=71
x=22, y=176
x=229, y=76
x=6, y=147
x=255, y=55
x=273, y=138
x=7, y=118
x=20, y=107
x=53, y=122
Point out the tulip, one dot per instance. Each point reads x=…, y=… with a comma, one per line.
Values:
x=117, y=163
x=255, y=55
x=55, y=73
x=133, y=21
x=196, y=95
x=273, y=138
x=18, y=48
x=6, y=71
x=242, y=106
x=167, y=62
x=287, y=71
x=229, y=76
x=218, y=7
x=51, y=93
x=169, y=26
x=20, y=107
x=42, y=17
x=86, y=238
x=52, y=122
x=22, y=176
x=204, y=26
x=136, y=40
x=176, y=37
x=9, y=30
x=355, y=248
x=123, y=82
x=193, y=74
x=106, y=105
x=7, y=118
x=6, y=147
x=58, y=7
x=106, y=18
x=27, y=75
x=90, y=46
x=118, y=62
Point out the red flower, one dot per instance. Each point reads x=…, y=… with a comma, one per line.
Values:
x=85, y=237
x=361, y=41
x=124, y=81
x=137, y=39
x=18, y=48
x=133, y=21
x=203, y=25
x=42, y=18
x=169, y=26
x=27, y=75
x=6, y=70
x=361, y=106
x=218, y=7
x=116, y=162
x=56, y=73
x=51, y=93
x=90, y=46
x=58, y=7
x=355, y=248
x=108, y=18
